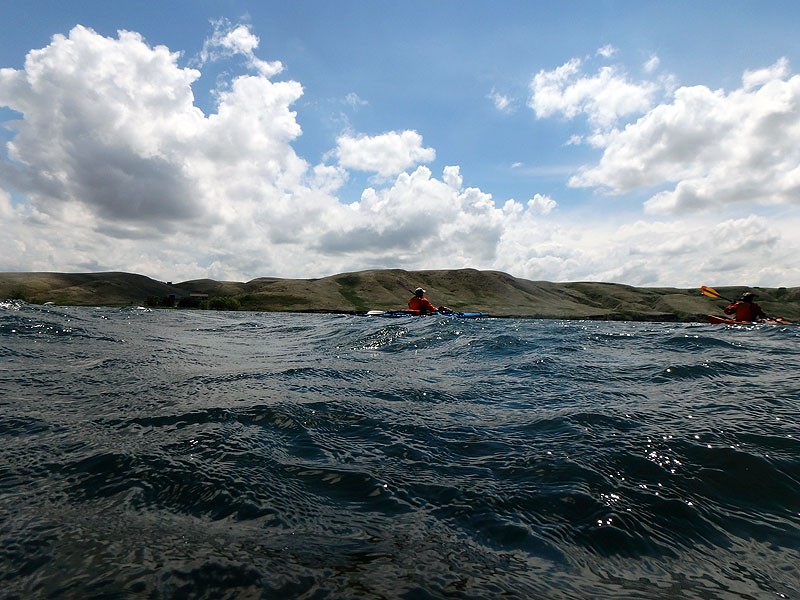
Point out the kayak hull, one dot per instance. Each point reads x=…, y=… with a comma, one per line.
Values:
x=393, y=314
x=726, y=321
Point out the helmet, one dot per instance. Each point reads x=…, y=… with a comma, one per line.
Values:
x=419, y=292
x=748, y=296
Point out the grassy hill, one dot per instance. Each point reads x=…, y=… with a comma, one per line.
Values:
x=493, y=292
x=82, y=289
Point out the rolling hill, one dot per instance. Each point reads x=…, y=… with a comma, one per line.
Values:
x=496, y=293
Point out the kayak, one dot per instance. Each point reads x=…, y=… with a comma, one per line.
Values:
x=413, y=313
x=724, y=320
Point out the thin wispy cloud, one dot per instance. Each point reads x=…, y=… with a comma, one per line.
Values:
x=229, y=40
x=502, y=102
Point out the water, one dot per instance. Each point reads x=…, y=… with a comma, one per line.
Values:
x=161, y=454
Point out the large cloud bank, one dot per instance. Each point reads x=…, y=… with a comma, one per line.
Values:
x=111, y=165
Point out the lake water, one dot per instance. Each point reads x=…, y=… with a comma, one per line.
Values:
x=162, y=454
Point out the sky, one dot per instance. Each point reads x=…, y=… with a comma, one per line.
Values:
x=653, y=144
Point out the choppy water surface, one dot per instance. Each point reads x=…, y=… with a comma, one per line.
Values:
x=197, y=454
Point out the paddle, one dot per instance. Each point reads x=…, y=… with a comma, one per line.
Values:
x=712, y=293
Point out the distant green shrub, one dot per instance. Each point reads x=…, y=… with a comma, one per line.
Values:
x=190, y=302
x=224, y=303
x=18, y=294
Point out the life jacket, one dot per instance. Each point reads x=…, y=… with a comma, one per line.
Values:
x=421, y=305
x=745, y=311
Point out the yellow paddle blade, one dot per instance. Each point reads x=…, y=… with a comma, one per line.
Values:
x=710, y=292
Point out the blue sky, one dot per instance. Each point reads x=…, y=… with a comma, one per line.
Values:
x=648, y=143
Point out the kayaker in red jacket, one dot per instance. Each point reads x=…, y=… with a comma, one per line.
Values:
x=420, y=304
x=745, y=309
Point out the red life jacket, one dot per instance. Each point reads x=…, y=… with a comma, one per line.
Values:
x=421, y=305
x=745, y=311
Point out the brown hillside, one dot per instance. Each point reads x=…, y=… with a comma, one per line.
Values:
x=496, y=293
x=83, y=289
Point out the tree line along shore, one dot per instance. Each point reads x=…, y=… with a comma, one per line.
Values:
x=496, y=293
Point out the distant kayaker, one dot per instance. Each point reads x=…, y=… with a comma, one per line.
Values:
x=420, y=304
x=745, y=309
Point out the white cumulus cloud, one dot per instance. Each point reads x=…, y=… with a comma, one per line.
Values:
x=710, y=148
x=386, y=154
x=541, y=204
x=753, y=79
x=111, y=165
x=603, y=97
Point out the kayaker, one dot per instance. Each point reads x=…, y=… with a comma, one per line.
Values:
x=419, y=303
x=745, y=309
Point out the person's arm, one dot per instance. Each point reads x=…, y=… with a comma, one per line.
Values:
x=428, y=306
x=730, y=309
